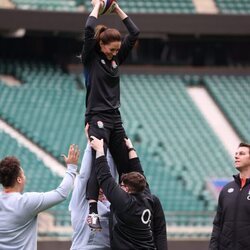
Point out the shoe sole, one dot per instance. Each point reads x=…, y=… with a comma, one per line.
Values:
x=96, y=230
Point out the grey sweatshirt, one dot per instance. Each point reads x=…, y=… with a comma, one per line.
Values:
x=18, y=213
x=83, y=238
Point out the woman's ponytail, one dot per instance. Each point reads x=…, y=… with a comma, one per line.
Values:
x=98, y=30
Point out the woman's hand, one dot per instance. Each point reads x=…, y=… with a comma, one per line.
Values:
x=116, y=6
x=96, y=7
x=96, y=2
x=117, y=10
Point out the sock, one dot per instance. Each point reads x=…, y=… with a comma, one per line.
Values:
x=93, y=207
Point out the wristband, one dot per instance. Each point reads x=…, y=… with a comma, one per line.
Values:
x=131, y=149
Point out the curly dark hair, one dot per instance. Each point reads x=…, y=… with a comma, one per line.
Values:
x=135, y=181
x=9, y=171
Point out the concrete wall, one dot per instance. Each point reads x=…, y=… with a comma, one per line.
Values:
x=151, y=25
x=172, y=245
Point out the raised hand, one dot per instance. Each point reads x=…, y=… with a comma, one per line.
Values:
x=73, y=155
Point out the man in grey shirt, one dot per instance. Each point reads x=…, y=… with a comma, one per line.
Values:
x=83, y=238
x=18, y=211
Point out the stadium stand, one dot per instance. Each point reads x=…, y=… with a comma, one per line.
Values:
x=178, y=149
x=46, y=93
x=233, y=7
x=51, y=5
x=148, y=6
x=156, y=6
x=165, y=111
x=232, y=95
x=39, y=178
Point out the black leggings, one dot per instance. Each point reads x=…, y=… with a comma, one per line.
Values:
x=109, y=127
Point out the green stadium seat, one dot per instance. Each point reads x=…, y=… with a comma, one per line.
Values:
x=232, y=95
x=178, y=149
x=156, y=6
x=233, y=7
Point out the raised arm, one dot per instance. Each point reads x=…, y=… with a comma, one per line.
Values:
x=130, y=39
x=114, y=193
x=120, y=12
x=37, y=202
x=96, y=6
x=134, y=161
x=89, y=32
x=78, y=199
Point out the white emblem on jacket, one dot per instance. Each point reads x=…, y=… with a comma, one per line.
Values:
x=248, y=196
x=100, y=124
x=114, y=65
x=230, y=190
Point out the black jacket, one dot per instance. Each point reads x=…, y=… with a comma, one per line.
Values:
x=231, y=230
x=102, y=77
x=158, y=223
x=133, y=212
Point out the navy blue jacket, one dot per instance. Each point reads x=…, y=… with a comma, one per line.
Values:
x=231, y=227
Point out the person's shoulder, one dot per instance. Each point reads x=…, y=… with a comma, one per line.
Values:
x=155, y=201
x=14, y=194
x=155, y=198
x=231, y=182
x=31, y=195
x=228, y=186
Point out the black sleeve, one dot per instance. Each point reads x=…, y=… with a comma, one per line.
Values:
x=114, y=193
x=135, y=165
x=129, y=40
x=215, y=236
x=89, y=41
x=159, y=225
